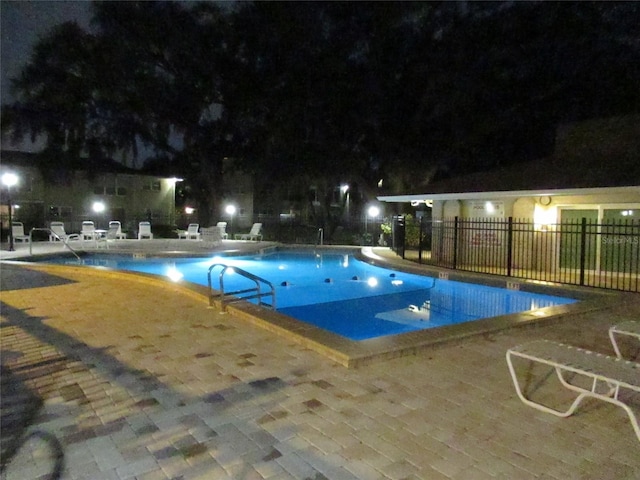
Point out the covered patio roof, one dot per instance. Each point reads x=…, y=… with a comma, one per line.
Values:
x=493, y=195
x=590, y=157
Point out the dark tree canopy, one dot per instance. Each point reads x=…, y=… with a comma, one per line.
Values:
x=323, y=93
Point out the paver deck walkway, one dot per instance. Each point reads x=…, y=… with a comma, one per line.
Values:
x=112, y=378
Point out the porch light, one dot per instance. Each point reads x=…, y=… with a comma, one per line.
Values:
x=543, y=218
x=189, y=210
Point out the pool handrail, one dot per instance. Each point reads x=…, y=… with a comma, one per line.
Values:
x=51, y=232
x=230, y=297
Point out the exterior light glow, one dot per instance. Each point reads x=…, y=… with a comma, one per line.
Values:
x=9, y=179
x=174, y=275
x=189, y=210
x=98, y=207
x=543, y=218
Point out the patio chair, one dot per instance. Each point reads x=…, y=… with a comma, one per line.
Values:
x=603, y=377
x=57, y=232
x=88, y=231
x=254, y=234
x=115, y=231
x=17, y=232
x=222, y=226
x=191, y=233
x=629, y=329
x=144, y=231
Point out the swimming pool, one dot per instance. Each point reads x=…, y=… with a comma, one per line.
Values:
x=339, y=293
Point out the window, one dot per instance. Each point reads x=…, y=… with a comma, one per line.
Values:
x=110, y=190
x=154, y=185
x=98, y=190
x=122, y=191
x=56, y=211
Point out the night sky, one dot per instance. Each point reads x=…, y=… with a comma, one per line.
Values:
x=22, y=23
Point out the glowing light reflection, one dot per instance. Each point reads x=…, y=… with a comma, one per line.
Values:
x=174, y=275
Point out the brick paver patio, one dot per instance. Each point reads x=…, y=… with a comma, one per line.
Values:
x=107, y=377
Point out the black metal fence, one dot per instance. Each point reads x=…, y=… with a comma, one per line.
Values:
x=596, y=254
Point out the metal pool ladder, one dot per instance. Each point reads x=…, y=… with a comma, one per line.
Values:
x=244, y=294
x=51, y=232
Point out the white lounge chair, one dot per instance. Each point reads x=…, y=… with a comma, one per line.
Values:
x=606, y=376
x=17, y=232
x=630, y=328
x=144, y=231
x=88, y=231
x=223, y=229
x=58, y=233
x=115, y=231
x=191, y=232
x=254, y=234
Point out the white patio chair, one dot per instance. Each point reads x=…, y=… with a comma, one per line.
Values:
x=115, y=231
x=191, y=232
x=144, y=231
x=254, y=234
x=17, y=232
x=88, y=231
x=222, y=226
x=58, y=233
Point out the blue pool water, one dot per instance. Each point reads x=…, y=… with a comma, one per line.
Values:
x=339, y=293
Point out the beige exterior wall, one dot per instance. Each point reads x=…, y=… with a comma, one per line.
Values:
x=533, y=216
x=128, y=198
x=527, y=208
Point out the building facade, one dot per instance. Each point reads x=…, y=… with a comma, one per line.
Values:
x=73, y=196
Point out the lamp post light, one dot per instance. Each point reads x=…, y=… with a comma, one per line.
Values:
x=372, y=212
x=99, y=208
x=10, y=179
x=344, y=189
x=230, y=210
x=172, y=212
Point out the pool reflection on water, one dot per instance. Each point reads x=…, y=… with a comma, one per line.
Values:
x=346, y=296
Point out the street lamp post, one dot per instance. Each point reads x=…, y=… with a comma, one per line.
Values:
x=172, y=213
x=230, y=210
x=372, y=212
x=99, y=208
x=10, y=179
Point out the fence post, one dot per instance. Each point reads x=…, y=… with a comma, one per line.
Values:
x=509, y=245
x=583, y=248
x=420, y=239
x=455, y=243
